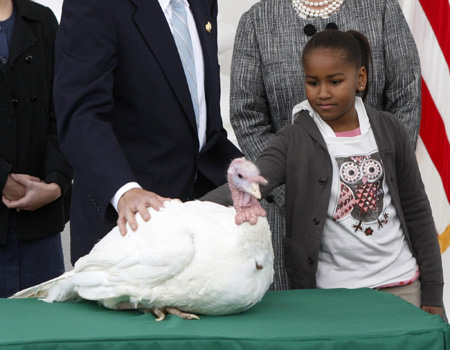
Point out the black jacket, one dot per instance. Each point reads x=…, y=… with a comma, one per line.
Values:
x=28, y=140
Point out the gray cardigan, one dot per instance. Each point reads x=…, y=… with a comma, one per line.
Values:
x=298, y=158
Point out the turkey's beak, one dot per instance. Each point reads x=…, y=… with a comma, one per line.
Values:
x=253, y=190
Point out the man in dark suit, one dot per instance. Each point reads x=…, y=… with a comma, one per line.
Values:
x=126, y=116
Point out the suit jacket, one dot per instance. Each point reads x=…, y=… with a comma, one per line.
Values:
x=124, y=109
x=298, y=157
x=28, y=136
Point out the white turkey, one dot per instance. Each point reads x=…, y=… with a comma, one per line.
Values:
x=189, y=258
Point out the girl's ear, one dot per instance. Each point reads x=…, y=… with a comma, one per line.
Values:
x=362, y=79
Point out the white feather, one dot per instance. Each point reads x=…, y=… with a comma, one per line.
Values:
x=189, y=255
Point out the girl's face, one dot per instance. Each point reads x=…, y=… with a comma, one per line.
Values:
x=331, y=86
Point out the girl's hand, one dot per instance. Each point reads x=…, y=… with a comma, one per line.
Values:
x=434, y=310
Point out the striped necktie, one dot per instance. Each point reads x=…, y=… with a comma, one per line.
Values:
x=184, y=46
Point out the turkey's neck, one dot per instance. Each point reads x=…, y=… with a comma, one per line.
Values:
x=241, y=199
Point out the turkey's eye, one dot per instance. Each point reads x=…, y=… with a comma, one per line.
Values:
x=240, y=176
x=372, y=169
x=350, y=172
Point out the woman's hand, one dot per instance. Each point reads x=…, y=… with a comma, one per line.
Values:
x=13, y=190
x=37, y=193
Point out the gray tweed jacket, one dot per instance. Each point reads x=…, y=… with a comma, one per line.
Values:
x=267, y=78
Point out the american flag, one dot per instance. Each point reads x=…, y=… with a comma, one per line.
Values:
x=429, y=21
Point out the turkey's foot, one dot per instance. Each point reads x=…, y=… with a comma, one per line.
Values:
x=161, y=313
x=158, y=312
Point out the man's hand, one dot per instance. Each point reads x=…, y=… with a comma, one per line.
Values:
x=37, y=193
x=434, y=310
x=135, y=201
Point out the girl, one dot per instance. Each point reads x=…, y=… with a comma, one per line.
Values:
x=357, y=214
x=267, y=80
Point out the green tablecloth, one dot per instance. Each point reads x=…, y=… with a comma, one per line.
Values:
x=300, y=319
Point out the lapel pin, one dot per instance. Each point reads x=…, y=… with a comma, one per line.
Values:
x=208, y=27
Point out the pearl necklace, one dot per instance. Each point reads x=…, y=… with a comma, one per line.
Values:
x=305, y=8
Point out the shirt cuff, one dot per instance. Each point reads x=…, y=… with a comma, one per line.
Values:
x=121, y=191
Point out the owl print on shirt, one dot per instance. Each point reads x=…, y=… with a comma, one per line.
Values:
x=361, y=192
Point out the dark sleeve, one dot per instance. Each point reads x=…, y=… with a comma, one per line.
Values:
x=57, y=168
x=220, y=195
x=419, y=220
x=5, y=170
x=85, y=62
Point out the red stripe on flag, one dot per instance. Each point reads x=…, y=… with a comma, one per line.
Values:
x=434, y=136
x=438, y=14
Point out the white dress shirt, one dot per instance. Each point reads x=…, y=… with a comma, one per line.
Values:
x=200, y=73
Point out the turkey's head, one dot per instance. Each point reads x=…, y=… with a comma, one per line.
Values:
x=244, y=180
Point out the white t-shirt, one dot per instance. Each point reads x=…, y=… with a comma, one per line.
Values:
x=363, y=244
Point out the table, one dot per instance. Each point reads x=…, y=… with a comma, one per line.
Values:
x=337, y=319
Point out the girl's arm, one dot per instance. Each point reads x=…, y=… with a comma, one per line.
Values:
x=419, y=220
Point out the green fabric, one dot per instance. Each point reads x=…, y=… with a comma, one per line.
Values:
x=298, y=319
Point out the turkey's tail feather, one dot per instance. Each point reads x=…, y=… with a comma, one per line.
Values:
x=57, y=289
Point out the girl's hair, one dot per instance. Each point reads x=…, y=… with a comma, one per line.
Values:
x=353, y=44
